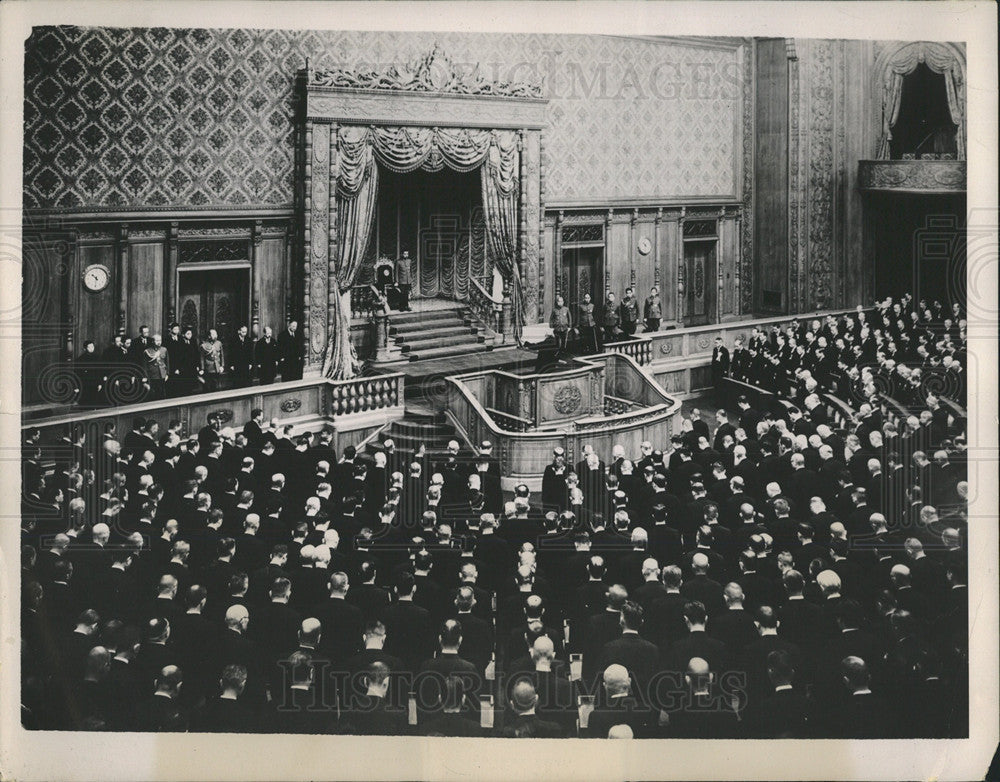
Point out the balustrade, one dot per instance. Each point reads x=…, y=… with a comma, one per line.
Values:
x=366, y=301
x=485, y=307
x=639, y=348
x=363, y=395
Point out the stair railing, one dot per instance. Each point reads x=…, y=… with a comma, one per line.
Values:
x=486, y=308
x=366, y=301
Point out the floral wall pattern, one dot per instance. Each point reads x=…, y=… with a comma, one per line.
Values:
x=157, y=117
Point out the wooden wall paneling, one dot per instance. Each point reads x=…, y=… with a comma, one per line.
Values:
x=96, y=313
x=645, y=265
x=46, y=319
x=553, y=264
x=144, y=291
x=669, y=265
x=771, y=177
x=728, y=252
x=617, y=260
x=269, y=283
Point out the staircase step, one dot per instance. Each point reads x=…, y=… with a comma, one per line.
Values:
x=411, y=442
x=435, y=342
x=422, y=428
x=425, y=317
x=434, y=325
x=431, y=333
x=451, y=350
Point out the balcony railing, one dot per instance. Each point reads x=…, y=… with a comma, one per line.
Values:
x=364, y=395
x=639, y=348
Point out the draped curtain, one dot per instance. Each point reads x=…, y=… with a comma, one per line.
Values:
x=500, y=191
x=405, y=149
x=940, y=60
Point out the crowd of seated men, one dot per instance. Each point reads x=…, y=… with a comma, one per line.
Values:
x=774, y=576
x=901, y=349
x=145, y=366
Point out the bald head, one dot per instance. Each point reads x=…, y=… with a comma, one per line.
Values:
x=616, y=679
x=236, y=615
x=543, y=648
x=523, y=697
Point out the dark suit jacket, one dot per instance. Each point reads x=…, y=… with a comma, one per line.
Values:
x=735, y=628
x=531, y=727
x=706, y=591
x=781, y=714
x=625, y=710
x=639, y=656
x=409, y=633
x=343, y=627
x=697, y=644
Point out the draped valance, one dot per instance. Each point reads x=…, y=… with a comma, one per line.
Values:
x=940, y=58
x=359, y=152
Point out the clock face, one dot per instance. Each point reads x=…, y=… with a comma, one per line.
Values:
x=645, y=245
x=96, y=277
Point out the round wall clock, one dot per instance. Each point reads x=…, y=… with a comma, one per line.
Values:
x=645, y=245
x=96, y=277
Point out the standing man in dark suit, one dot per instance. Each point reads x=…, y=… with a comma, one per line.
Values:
x=720, y=368
x=265, y=357
x=291, y=352
x=188, y=371
x=403, y=281
x=241, y=359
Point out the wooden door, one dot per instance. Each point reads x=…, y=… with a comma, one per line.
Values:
x=214, y=299
x=583, y=272
x=699, y=279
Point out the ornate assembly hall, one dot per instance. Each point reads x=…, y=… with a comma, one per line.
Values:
x=494, y=385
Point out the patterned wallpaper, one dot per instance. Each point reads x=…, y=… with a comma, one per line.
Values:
x=170, y=117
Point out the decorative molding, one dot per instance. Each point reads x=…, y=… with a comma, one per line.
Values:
x=567, y=399
x=214, y=251
x=364, y=108
x=795, y=180
x=221, y=232
x=225, y=415
x=145, y=234
x=744, y=269
x=820, y=184
x=435, y=72
x=290, y=405
x=913, y=176
x=318, y=224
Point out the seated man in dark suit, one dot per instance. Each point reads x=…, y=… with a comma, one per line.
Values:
x=706, y=714
x=162, y=710
x=227, y=713
x=294, y=711
x=526, y=723
x=782, y=713
x=640, y=657
x=370, y=712
x=697, y=643
x=617, y=706
x=455, y=718
x=447, y=663
x=864, y=714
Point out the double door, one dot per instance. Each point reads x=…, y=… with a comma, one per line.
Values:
x=214, y=299
x=583, y=272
